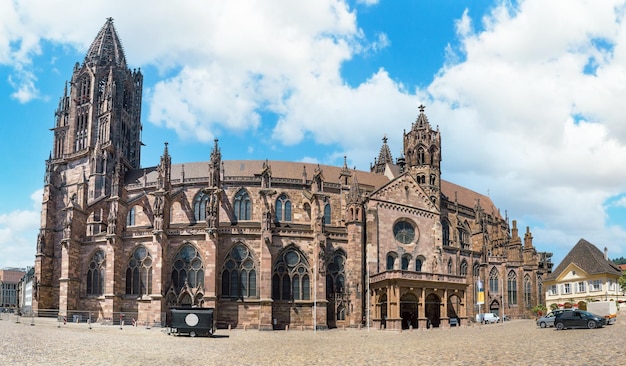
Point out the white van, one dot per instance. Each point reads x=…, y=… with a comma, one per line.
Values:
x=487, y=318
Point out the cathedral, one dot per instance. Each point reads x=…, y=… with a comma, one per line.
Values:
x=267, y=244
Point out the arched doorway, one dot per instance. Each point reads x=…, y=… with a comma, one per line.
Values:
x=433, y=310
x=408, y=310
x=382, y=308
x=454, y=306
x=494, y=307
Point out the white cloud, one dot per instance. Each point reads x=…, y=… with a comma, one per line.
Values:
x=368, y=2
x=24, y=85
x=18, y=234
x=464, y=25
x=529, y=106
x=524, y=120
x=621, y=202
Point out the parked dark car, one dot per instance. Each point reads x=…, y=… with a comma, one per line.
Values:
x=578, y=319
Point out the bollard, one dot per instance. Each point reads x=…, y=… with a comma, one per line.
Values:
x=32, y=320
x=229, y=327
x=287, y=327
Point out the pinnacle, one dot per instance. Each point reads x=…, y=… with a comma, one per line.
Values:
x=106, y=47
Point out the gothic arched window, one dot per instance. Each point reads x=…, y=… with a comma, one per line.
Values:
x=463, y=271
x=391, y=260
x=239, y=273
x=95, y=274
x=433, y=153
x=139, y=273
x=445, y=232
x=418, y=264
x=130, y=217
x=527, y=292
x=420, y=156
x=283, y=208
x=406, y=259
x=199, y=206
x=188, y=268
x=336, y=274
x=327, y=214
x=242, y=205
x=493, y=280
x=290, y=280
x=512, y=288
x=476, y=271
x=463, y=238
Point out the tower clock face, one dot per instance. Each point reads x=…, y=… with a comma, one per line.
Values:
x=404, y=232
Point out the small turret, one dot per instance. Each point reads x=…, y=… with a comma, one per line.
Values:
x=384, y=158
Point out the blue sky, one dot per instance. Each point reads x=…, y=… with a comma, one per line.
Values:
x=527, y=95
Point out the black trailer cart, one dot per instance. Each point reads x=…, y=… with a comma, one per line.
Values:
x=192, y=321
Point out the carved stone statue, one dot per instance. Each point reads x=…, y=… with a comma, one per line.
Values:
x=158, y=223
x=158, y=205
x=41, y=242
x=111, y=222
x=67, y=230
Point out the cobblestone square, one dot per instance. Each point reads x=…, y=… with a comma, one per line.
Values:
x=517, y=342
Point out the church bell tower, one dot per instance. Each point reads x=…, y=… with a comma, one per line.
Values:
x=422, y=151
x=97, y=138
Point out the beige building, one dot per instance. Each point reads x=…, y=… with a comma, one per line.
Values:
x=585, y=274
x=9, y=279
x=266, y=243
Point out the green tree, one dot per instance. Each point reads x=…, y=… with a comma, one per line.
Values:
x=539, y=310
x=620, y=260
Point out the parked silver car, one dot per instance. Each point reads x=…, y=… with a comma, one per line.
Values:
x=548, y=319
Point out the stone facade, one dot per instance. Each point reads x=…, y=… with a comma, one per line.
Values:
x=268, y=244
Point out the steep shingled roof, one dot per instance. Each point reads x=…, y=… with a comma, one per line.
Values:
x=468, y=198
x=293, y=170
x=106, y=47
x=589, y=258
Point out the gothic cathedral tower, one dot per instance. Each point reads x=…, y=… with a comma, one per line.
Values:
x=422, y=151
x=97, y=138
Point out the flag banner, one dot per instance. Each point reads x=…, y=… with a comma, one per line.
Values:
x=480, y=292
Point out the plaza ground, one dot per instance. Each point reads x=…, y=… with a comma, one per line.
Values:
x=40, y=341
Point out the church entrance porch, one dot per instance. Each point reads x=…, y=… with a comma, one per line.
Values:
x=405, y=300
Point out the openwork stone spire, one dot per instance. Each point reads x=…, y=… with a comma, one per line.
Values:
x=106, y=48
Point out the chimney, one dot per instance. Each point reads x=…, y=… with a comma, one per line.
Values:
x=606, y=254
